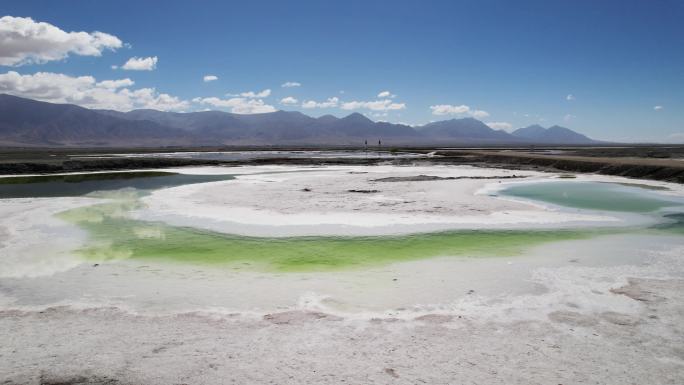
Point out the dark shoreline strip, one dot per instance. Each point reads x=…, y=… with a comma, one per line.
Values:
x=669, y=171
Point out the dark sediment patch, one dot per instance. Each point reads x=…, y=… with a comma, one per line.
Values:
x=425, y=178
x=636, y=290
x=86, y=379
x=619, y=318
x=298, y=316
x=572, y=318
x=363, y=191
x=435, y=318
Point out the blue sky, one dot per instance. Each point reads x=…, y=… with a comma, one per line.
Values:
x=610, y=69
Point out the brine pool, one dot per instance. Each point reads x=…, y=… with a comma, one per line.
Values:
x=112, y=235
x=91, y=247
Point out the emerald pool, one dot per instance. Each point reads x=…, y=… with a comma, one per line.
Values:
x=114, y=236
x=594, y=196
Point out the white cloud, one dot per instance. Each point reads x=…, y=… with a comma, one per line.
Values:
x=374, y=105
x=569, y=117
x=570, y=97
x=329, y=103
x=479, y=114
x=25, y=41
x=87, y=92
x=251, y=94
x=238, y=105
x=114, y=84
x=291, y=84
x=676, y=137
x=448, y=109
x=658, y=108
x=289, y=100
x=150, y=98
x=500, y=125
x=386, y=94
x=209, y=78
x=140, y=64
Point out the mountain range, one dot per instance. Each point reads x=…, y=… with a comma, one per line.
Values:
x=27, y=122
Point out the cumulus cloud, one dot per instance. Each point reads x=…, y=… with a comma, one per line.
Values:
x=114, y=84
x=209, y=78
x=386, y=94
x=658, y=108
x=238, y=105
x=500, y=125
x=87, y=92
x=329, y=103
x=291, y=84
x=479, y=114
x=25, y=41
x=448, y=109
x=140, y=64
x=374, y=105
x=289, y=100
x=570, y=97
x=251, y=94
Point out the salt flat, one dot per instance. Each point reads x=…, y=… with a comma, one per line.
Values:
x=604, y=307
x=349, y=200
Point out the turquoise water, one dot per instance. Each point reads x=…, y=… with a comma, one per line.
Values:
x=114, y=235
x=595, y=196
x=45, y=186
x=117, y=237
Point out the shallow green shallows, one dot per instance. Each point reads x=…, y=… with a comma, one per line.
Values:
x=113, y=236
x=594, y=196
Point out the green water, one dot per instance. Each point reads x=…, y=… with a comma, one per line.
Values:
x=114, y=236
x=594, y=196
x=45, y=186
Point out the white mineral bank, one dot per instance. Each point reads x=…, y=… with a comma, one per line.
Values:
x=317, y=201
x=606, y=310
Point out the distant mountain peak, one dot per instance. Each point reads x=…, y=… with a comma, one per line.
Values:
x=357, y=117
x=327, y=118
x=30, y=122
x=552, y=135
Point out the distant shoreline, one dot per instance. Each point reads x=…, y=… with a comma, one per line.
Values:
x=660, y=163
